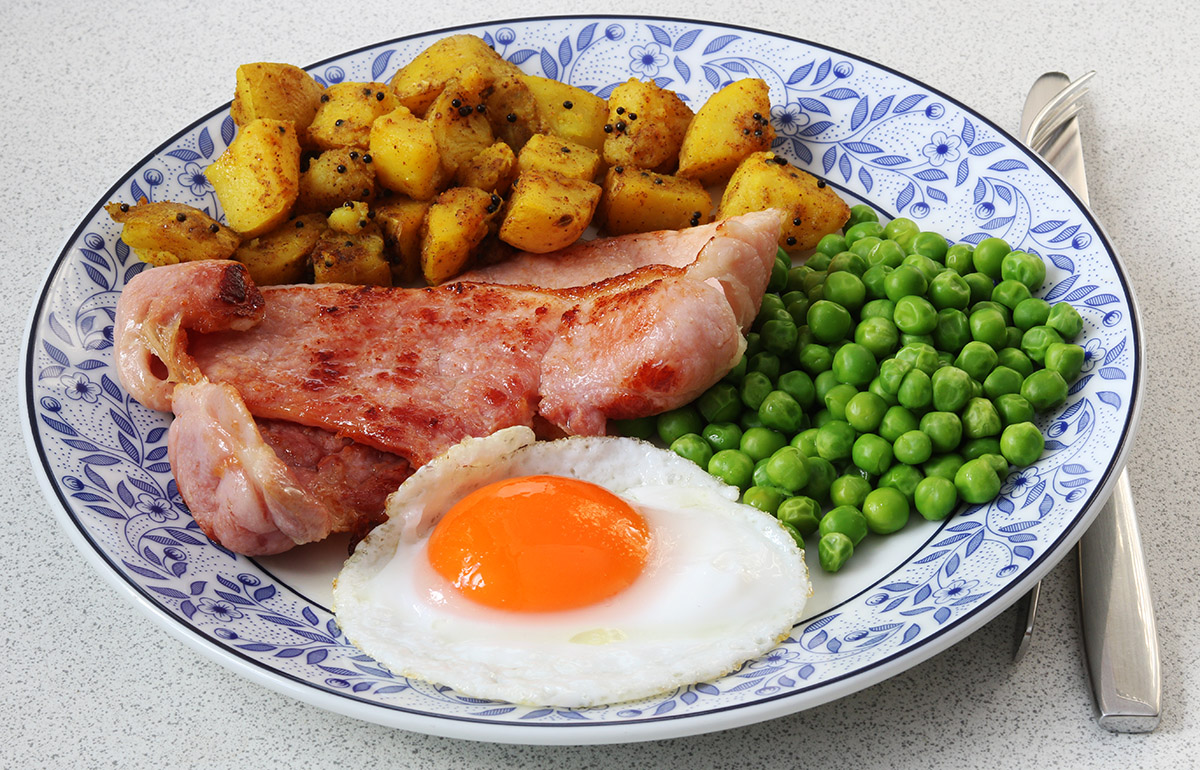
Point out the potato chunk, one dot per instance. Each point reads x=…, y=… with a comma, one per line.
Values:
x=257, y=178
x=733, y=123
x=406, y=156
x=492, y=170
x=400, y=222
x=460, y=130
x=282, y=255
x=276, y=92
x=637, y=201
x=334, y=177
x=512, y=112
x=419, y=82
x=552, y=153
x=455, y=225
x=350, y=252
x=347, y=112
x=581, y=122
x=548, y=211
x=764, y=181
x=165, y=233
x=648, y=123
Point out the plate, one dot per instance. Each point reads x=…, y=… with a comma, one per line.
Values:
x=875, y=135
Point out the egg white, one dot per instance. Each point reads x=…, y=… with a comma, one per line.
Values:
x=723, y=583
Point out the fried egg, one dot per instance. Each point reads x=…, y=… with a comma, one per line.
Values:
x=571, y=573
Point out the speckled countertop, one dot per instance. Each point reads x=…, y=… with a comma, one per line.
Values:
x=89, y=681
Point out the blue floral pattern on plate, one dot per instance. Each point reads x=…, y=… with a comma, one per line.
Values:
x=876, y=135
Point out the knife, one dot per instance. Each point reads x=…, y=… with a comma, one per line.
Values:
x=1119, y=631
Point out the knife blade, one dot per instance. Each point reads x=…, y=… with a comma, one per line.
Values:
x=1119, y=630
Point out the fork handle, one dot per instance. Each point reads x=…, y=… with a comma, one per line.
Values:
x=1119, y=630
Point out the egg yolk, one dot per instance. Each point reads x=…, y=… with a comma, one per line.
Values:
x=539, y=544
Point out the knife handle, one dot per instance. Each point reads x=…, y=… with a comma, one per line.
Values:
x=1119, y=632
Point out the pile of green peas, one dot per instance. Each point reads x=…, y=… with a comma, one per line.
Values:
x=890, y=372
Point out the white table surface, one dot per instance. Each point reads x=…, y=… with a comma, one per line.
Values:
x=89, y=681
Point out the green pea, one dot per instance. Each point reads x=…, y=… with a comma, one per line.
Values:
x=999, y=464
x=855, y=364
x=1012, y=338
x=935, y=498
x=913, y=448
x=847, y=520
x=977, y=359
x=733, y=467
x=1022, y=444
x=638, y=427
x=903, y=478
x=755, y=388
x=945, y=430
x=833, y=550
x=1010, y=293
x=828, y=321
x=851, y=489
x=951, y=389
x=887, y=253
x=1002, y=380
x=981, y=286
x=861, y=212
x=779, y=411
x=722, y=435
x=1036, y=341
x=945, y=358
x=952, y=330
x=871, y=453
x=866, y=229
x=820, y=478
x=874, y=280
x=980, y=419
x=1030, y=313
x=1066, y=358
x=838, y=398
x=814, y=359
x=798, y=310
x=1022, y=266
x=814, y=277
x=835, y=439
x=749, y=419
x=987, y=325
x=892, y=372
x=846, y=289
x=865, y=411
x=914, y=315
x=825, y=382
x=1045, y=389
x=988, y=304
x=847, y=262
x=943, y=465
x=904, y=281
x=989, y=256
x=803, y=513
x=921, y=355
x=949, y=290
x=720, y=403
x=878, y=335
x=738, y=372
x=765, y=499
x=928, y=267
x=886, y=510
x=819, y=261
x=926, y=340
x=787, y=469
x=959, y=258
x=930, y=245
x=780, y=335
x=1065, y=320
x=768, y=364
x=779, y=274
x=831, y=244
x=806, y=442
x=896, y=422
x=678, y=422
x=900, y=225
x=1016, y=360
x=877, y=308
x=916, y=391
x=822, y=417
x=977, y=481
x=980, y=447
x=760, y=443
x=692, y=446
x=876, y=387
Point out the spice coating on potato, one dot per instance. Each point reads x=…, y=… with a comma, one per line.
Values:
x=347, y=112
x=165, y=233
x=492, y=170
x=419, y=82
x=400, y=222
x=764, y=181
x=581, y=122
x=276, y=92
x=454, y=226
x=637, y=201
x=733, y=123
x=459, y=128
x=257, y=178
x=334, y=177
x=406, y=155
x=647, y=124
x=548, y=211
x=512, y=112
x=552, y=153
x=356, y=258
x=282, y=255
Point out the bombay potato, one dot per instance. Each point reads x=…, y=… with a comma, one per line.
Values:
x=731, y=125
x=282, y=255
x=400, y=222
x=257, y=178
x=454, y=226
x=351, y=250
x=764, y=181
x=460, y=130
x=551, y=153
x=513, y=113
x=405, y=154
x=419, y=82
x=165, y=233
x=276, y=92
x=492, y=170
x=346, y=113
x=637, y=201
x=548, y=211
x=334, y=177
x=648, y=126
x=569, y=112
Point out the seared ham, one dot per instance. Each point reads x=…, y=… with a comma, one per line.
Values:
x=403, y=374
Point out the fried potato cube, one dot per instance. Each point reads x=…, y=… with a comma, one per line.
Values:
x=552, y=153
x=764, y=181
x=334, y=177
x=569, y=112
x=346, y=113
x=492, y=170
x=400, y=222
x=282, y=255
x=350, y=218
x=454, y=226
x=648, y=123
x=548, y=211
x=460, y=130
x=351, y=257
x=276, y=92
x=420, y=81
x=512, y=112
x=733, y=123
x=166, y=233
x=257, y=178
x=405, y=155
x=637, y=201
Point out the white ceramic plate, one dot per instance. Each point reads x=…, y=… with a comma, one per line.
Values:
x=875, y=135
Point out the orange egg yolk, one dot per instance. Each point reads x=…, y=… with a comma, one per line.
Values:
x=540, y=544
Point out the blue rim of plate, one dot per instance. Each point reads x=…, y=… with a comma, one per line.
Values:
x=636, y=727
